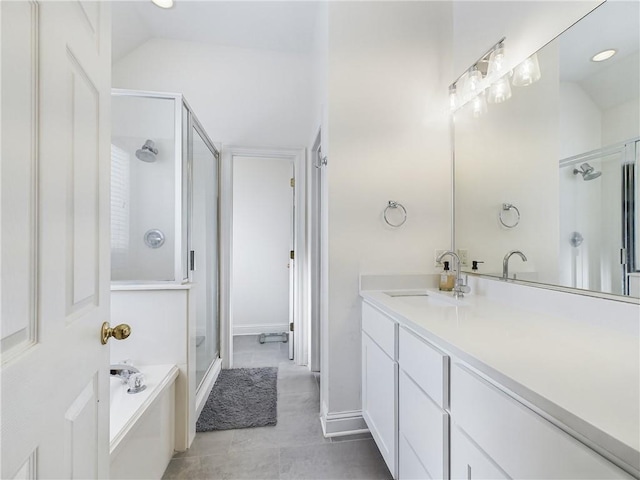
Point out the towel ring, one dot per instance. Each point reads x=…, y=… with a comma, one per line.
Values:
x=505, y=208
x=395, y=205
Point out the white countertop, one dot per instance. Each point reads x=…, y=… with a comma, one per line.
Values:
x=585, y=376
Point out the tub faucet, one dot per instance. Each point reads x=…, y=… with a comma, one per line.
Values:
x=505, y=262
x=122, y=371
x=460, y=287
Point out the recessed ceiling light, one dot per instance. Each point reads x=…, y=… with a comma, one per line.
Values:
x=163, y=3
x=604, y=55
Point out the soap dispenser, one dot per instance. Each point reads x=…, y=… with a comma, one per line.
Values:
x=447, y=278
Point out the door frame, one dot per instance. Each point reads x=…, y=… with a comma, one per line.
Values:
x=316, y=258
x=300, y=317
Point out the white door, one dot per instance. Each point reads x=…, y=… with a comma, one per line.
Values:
x=55, y=238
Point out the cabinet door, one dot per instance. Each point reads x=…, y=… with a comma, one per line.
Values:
x=379, y=406
x=468, y=462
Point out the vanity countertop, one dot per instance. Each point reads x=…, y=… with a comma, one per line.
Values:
x=587, y=377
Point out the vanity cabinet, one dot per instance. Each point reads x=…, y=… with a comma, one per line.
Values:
x=518, y=440
x=379, y=382
x=423, y=396
x=433, y=416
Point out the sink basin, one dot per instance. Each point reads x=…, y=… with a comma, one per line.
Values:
x=419, y=298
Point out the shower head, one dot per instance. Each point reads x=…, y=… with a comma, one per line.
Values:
x=148, y=152
x=587, y=172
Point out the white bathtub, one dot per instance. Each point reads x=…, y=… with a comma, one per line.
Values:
x=142, y=425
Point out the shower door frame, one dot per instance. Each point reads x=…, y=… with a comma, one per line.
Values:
x=629, y=151
x=178, y=277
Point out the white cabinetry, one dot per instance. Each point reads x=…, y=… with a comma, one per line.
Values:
x=423, y=395
x=520, y=441
x=430, y=422
x=379, y=382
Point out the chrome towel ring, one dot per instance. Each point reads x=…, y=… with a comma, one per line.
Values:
x=505, y=208
x=395, y=205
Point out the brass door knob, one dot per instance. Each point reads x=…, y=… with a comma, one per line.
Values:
x=119, y=332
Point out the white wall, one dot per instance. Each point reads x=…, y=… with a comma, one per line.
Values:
x=262, y=239
x=580, y=126
x=241, y=96
x=387, y=139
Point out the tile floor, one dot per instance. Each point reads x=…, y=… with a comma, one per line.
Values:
x=293, y=449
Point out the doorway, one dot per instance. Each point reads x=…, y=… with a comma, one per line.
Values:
x=263, y=239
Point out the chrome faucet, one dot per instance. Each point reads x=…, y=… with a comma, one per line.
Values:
x=505, y=261
x=460, y=288
x=122, y=371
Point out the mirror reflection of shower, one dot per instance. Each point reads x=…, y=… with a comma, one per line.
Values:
x=587, y=172
x=148, y=152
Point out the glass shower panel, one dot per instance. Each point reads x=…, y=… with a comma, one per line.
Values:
x=204, y=243
x=143, y=200
x=591, y=223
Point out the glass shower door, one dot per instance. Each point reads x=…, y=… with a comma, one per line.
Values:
x=204, y=250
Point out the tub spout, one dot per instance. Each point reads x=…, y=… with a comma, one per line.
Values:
x=122, y=371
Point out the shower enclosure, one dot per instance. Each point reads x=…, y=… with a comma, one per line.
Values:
x=600, y=245
x=164, y=206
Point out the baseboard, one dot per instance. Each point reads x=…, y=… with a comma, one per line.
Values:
x=259, y=328
x=339, y=424
x=207, y=385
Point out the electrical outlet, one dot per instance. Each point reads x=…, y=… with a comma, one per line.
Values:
x=463, y=254
x=437, y=253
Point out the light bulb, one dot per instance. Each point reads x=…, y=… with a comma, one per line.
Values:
x=479, y=105
x=474, y=82
x=500, y=90
x=527, y=72
x=496, y=62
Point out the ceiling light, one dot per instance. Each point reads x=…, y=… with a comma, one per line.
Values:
x=163, y=3
x=604, y=55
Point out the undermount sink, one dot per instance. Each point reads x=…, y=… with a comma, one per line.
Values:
x=419, y=298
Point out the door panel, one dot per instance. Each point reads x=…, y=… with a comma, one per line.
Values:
x=55, y=393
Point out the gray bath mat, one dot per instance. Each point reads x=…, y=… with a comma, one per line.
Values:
x=241, y=398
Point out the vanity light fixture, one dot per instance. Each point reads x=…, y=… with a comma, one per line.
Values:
x=604, y=55
x=527, y=72
x=163, y=3
x=471, y=85
x=500, y=90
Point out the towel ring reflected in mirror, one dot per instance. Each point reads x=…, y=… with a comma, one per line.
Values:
x=394, y=206
x=506, y=207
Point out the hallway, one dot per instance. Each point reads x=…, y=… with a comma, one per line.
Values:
x=293, y=449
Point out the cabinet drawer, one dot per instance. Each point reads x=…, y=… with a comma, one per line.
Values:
x=380, y=328
x=426, y=365
x=468, y=462
x=524, y=444
x=425, y=427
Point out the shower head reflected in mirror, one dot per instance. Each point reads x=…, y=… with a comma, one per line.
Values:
x=148, y=152
x=587, y=172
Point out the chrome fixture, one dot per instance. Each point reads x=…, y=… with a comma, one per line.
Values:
x=129, y=375
x=587, y=172
x=395, y=205
x=505, y=262
x=122, y=371
x=490, y=73
x=506, y=207
x=460, y=288
x=148, y=152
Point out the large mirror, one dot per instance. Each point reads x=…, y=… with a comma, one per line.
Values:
x=552, y=171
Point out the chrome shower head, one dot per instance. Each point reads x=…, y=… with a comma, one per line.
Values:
x=587, y=172
x=148, y=152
